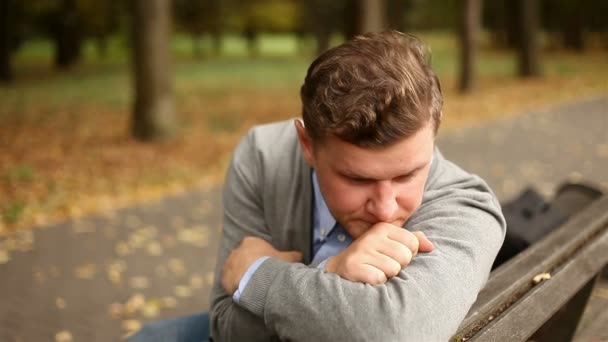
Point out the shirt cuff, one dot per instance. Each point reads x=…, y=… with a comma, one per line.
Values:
x=245, y=279
x=321, y=265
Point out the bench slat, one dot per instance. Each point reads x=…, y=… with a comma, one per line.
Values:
x=512, y=281
x=531, y=312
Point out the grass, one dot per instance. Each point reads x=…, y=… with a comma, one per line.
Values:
x=64, y=145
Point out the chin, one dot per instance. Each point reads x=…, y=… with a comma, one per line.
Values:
x=356, y=228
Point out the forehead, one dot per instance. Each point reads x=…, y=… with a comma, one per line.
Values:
x=378, y=162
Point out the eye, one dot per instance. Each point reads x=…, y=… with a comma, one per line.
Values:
x=359, y=180
x=405, y=178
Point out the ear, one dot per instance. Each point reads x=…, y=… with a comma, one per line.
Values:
x=305, y=142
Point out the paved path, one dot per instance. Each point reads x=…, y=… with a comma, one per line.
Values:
x=96, y=278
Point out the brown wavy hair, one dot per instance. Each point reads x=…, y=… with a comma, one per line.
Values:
x=371, y=91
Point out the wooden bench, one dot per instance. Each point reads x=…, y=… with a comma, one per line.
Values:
x=541, y=293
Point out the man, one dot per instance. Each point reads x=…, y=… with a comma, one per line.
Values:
x=349, y=224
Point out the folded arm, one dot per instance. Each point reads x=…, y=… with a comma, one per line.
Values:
x=426, y=300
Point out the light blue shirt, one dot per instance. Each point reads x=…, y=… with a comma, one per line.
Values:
x=329, y=238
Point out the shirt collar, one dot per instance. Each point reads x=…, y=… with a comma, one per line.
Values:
x=326, y=219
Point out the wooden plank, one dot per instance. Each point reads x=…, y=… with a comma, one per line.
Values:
x=562, y=326
x=594, y=324
x=520, y=321
x=512, y=280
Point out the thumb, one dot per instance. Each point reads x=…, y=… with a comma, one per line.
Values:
x=424, y=244
x=292, y=256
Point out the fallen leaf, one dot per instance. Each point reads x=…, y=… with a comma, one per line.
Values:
x=135, y=303
x=116, y=310
x=139, y=282
x=210, y=277
x=154, y=248
x=196, y=281
x=131, y=326
x=4, y=257
x=63, y=336
x=176, y=266
x=86, y=271
x=541, y=277
x=169, y=302
x=197, y=236
x=122, y=248
x=151, y=309
x=183, y=291
x=60, y=303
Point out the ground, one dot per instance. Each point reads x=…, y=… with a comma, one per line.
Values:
x=99, y=277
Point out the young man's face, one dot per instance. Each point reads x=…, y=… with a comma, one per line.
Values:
x=364, y=186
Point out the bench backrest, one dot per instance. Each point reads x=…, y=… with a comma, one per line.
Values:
x=520, y=301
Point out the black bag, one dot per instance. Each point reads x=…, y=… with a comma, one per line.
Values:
x=530, y=217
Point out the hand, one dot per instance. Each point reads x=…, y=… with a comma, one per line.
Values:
x=379, y=254
x=249, y=250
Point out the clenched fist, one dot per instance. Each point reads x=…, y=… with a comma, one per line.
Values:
x=379, y=254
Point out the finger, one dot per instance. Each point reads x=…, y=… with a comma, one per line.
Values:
x=371, y=275
x=425, y=245
x=406, y=238
x=388, y=265
x=396, y=251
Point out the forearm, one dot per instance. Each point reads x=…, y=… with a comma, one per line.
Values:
x=305, y=304
x=427, y=301
x=230, y=322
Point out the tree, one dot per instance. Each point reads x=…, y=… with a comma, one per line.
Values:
x=528, y=50
x=396, y=12
x=66, y=31
x=363, y=16
x=153, y=114
x=319, y=20
x=100, y=19
x=372, y=15
x=469, y=30
x=5, y=40
x=199, y=17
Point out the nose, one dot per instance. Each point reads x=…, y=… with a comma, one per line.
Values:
x=383, y=203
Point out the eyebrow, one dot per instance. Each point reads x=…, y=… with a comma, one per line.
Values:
x=350, y=174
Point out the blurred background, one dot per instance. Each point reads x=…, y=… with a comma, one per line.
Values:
x=118, y=117
x=104, y=103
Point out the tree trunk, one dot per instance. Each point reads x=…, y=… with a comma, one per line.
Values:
x=363, y=16
x=351, y=19
x=372, y=16
x=469, y=30
x=251, y=37
x=67, y=36
x=528, y=49
x=513, y=23
x=153, y=114
x=323, y=40
x=6, y=74
x=573, y=31
x=396, y=14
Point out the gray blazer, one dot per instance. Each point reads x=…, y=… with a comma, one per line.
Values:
x=268, y=193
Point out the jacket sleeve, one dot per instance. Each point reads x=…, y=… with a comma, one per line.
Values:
x=243, y=216
x=426, y=301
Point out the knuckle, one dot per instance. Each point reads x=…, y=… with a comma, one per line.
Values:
x=407, y=257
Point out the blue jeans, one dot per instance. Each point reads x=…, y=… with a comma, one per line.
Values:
x=193, y=328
